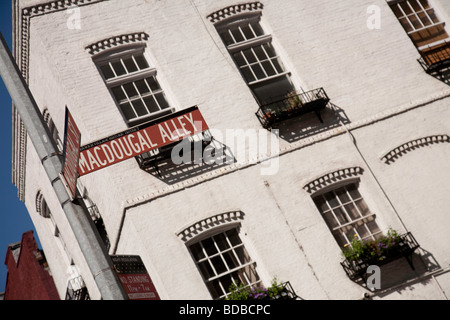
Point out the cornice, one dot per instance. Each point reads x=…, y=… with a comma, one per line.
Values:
x=112, y=42
x=332, y=178
x=235, y=9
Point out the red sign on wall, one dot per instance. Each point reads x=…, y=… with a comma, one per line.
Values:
x=72, y=143
x=141, y=139
x=135, y=278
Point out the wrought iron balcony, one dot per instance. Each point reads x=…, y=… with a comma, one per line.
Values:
x=293, y=105
x=435, y=58
x=404, y=248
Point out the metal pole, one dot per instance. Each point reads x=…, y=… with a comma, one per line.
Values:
x=93, y=249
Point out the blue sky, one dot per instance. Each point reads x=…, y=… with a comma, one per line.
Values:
x=14, y=218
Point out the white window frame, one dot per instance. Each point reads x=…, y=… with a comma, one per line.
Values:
x=352, y=223
x=208, y=259
x=414, y=13
x=257, y=41
x=131, y=78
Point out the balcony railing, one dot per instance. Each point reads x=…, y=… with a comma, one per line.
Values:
x=356, y=269
x=292, y=105
x=435, y=58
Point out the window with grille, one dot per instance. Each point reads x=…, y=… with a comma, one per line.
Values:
x=223, y=260
x=420, y=21
x=346, y=214
x=256, y=58
x=134, y=85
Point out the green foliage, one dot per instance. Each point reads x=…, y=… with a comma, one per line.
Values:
x=242, y=292
x=372, y=249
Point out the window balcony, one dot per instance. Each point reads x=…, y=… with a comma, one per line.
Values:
x=435, y=58
x=377, y=253
x=293, y=105
x=76, y=290
x=278, y=291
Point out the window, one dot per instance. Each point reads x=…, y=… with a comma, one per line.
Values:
x=420, y=21
x=346, y=214
x=223, y=260
x=134, y=85
x=256, y=58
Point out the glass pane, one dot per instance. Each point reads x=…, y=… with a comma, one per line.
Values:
x=396, y=10
x=237, y=35
x=142, y=62
x=321, y=204
x=231, y=260
x=352, y=211
x=130, y=90
x=130, y=65
x=127, y=111
x=197, y=251
x=142, y=87
x=118, y=94
x=107, y=72
x=340, y=215
x=415, y=5
x=257, y=28
x=139, y=108
x=373, y=227
x=268, y=68
x=415, y=22
x=226, y=37
x=342, y=194
x=353, y=191
x=330, y=220
x=247, y=32
x=151, y=104
x=153, y=84
x=214, y=289
x=331, y=198
x=362, y=206
x=222, y=242
x=162, y=101
x=239, y=59
x=226, y=283
x=258, y=71
x=242, y=255
x=340, y=239
x=118, y=68
x=277, y=63
x=250, y=56
x=260, y=53
x=363, y=233
x=424, y=4
x=206, y=270
x=425, y=20
x=433, y=16
x=209, y=246
x=233, y=237
x=405, y=7
x=270, y=51
x=218, y=264
x=406, y=24
x=248, y=75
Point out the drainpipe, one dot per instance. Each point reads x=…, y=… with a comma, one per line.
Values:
x=94, y=251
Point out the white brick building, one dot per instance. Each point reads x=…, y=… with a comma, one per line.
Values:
x=377, y=155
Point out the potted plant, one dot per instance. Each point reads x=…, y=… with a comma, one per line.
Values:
x=274, y=292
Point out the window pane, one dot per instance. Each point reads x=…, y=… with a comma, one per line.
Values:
x=222, y=242
x=321, y=204
x=130, y=65
x=260, y=53
x=257, y=29
x=127, y=111
x=352, y=211
x=242, y=255
x=226, y=37
x=197, y=251
x=118, y=93
x=142, y=87
x=278, y=65
x=362, y=206
x=363, y=232
x=151, y=104
x=239, y=59
x=162, y=101
x=247, y=32
x=269, y=50
x=405, y=7
x=206, y=269
x=140, y=108
x=258, y=71
x=330, y=220
x=373, y=227
x=237, y=35
x=107, y=72
x=233, y=237
x=218, y=264
x=153, y=84
x=340, y=239
x=340, y=215
x=268, y=68
x=209, y=246
x=130, y=90
x=331, y=199
x=231, y=260
x=353, y=191
x=250, y=56
x=118, y=68
x=342, y=195
x=141, y=62
x=248, y=75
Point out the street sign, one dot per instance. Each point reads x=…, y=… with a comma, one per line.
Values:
x=72, y=143
x=141, y=139
x=135, y=278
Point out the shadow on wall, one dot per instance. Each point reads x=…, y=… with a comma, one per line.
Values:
x=310, y=124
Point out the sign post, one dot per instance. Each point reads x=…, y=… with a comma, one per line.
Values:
x=135, y=278
x=72, y=144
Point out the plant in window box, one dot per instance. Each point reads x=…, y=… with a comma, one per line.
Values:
x=373, y=250
x=274, y=292
x=293, y=101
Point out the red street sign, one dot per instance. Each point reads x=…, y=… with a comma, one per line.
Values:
x=141, y=139
x=134, y=277
x=72, y=143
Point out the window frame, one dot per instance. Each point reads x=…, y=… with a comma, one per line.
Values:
x=229, y=272
x=120, y=54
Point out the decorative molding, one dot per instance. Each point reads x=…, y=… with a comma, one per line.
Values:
x=41, y=206
x=22, y=54
x=209, y=223
x=236, y=9
x=398, y=152
x=333, y=177
x=112, y=42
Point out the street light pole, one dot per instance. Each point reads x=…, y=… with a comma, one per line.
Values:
x=93, y=249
